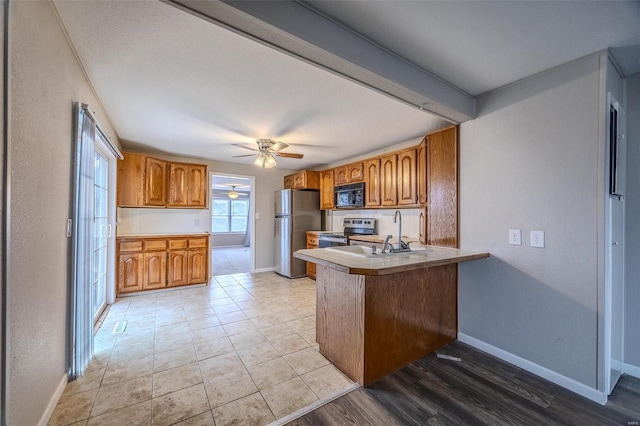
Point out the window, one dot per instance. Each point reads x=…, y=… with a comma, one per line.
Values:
x=229, y=215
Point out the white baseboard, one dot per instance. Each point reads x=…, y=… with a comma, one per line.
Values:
x=632, y=370
x=538, y=370
x=46, y=416
x=258, y=270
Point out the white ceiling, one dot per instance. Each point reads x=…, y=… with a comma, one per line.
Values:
x=175, y=83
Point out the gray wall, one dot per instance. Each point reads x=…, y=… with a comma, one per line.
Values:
x=632, y=289
x=45, y=80
x=531, y=160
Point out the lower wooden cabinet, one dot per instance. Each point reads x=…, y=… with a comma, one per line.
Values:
x=161, y=262
x=312, y=243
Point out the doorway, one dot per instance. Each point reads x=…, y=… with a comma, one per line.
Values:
x=232, y=227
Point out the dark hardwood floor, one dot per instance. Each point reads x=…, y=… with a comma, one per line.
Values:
x=479, y=390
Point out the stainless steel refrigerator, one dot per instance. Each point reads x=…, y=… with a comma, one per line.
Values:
x=297, y=211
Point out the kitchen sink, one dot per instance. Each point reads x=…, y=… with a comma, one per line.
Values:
x=365, y=251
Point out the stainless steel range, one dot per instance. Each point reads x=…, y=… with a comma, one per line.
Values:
x=352, y=226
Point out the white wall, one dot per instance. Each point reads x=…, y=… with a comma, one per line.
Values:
x=45, y=79
x=154, y=221
x=632, y=288
x=410, y=220
x=532, y=160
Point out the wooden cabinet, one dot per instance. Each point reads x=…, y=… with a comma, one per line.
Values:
x=326, y=190
x=187, y=185
x=155, y=270
x=159, y=262
x=145, y=181
x=197, y=266
x=372, y=182
x=306, y=179
x=349, y=173
x=130, y=272
x=141, y=181
x=388, y=180
x=177, y=273
x=422, y=226
x=312, y=243
x=155, y=181
x=421, y=171
x=442, y=188
x=407, y=178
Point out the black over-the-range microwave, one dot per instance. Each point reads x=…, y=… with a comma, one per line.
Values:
x=349, y=196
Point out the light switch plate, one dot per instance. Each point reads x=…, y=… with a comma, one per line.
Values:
x=537, y=239
x=515, y=237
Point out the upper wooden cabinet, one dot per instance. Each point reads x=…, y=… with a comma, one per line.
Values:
x=349, y=173
x=421, y=169
x=442, y=188
x=155, y=181
x=306, y=179
x=187, y=185
x=326, y=190
x=144, y=181
x=407, y=178
x=388, y=180
x=372, y=182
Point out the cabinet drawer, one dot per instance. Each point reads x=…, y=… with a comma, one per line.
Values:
x=312, y=240
x=197, y=242
x=130, y=246
x=177, y=244
x=155, y=245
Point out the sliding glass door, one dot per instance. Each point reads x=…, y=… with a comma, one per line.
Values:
x=101, y=233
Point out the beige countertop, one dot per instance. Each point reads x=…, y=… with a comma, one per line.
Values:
x=164, y=234
x=423, y=256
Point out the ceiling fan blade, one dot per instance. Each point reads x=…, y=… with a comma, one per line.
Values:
x=246, y=155
x=278, y=146
x=245, y=147
x=288, y=155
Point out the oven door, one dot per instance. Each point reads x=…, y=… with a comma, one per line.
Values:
x=326, y=241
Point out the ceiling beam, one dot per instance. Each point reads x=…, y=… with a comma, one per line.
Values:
x=297, y=29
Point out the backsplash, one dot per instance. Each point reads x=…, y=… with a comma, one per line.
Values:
x=410, y=220
x=137, y=221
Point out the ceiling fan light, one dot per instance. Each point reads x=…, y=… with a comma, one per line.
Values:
x=259, y=161
x=269, y=162
x=233, y=194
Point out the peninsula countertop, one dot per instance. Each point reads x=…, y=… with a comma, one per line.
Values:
x=423, y=256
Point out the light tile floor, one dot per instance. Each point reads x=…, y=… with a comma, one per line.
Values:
x=240, y=351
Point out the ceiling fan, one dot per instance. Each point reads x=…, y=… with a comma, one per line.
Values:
x=267, y=152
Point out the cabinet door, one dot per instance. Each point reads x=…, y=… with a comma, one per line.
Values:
x=388, y=190
x=442, y=183
x=155, y=182
x=197, y=266
x=407, y=178
x=197, y=184
x=341, y=175
x=300, y=180
x=178, y=267
x=421, y=171
x=288, y=182
x=131, y=186
x=422, y=226
x=355, y=172
x=155, y=270
x=326, y=190
x=130, y=272
x=372, y=182
x=178, y=185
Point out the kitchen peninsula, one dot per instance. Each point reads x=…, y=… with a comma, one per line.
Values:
x=377, y=313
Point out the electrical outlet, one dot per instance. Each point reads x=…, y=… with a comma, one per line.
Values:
x=515, y=237
x=537, y=239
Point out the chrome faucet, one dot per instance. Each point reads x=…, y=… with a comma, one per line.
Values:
x=402, y=246
x=387, y=245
